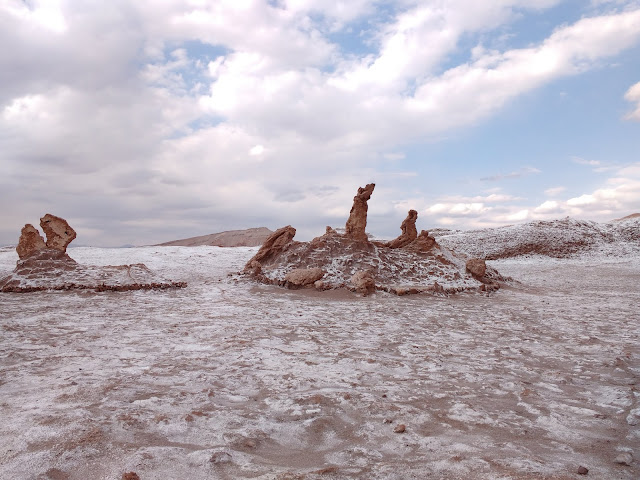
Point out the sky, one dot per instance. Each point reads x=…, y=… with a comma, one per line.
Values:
x=149, y=121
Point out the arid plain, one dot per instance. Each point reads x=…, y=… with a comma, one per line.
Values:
x=228, y=378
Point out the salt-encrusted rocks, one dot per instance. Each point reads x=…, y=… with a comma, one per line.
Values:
x=357, y=222
x=424, y=243
x=30, y=243
x=301, y=277
x=410, y=264
x=273, y=245
x=409, y=231
x=59, y=233
x=46, y=266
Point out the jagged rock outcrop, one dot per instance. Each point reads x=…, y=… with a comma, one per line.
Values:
x=357, y=222
x=363, y=282
x=273, y=245
x=30, y=243
x=46, y=266
x=409, y=231
x=59, y=233
x=423, y=243
x=301, y=277
x=333, y=260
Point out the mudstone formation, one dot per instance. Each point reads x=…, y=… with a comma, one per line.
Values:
x=45, y=265
x=411, y=263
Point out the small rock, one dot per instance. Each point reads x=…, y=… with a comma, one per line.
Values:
x=130, y=476
x=624, y=459
x=301, y=277
x=582, y=470
x=400, y=428
x=220, y=457
x=364, y=283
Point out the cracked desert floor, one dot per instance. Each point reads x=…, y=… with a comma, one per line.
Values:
x=227, y=379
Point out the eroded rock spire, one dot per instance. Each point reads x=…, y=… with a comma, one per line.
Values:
x=357, y=222
x=409, y=231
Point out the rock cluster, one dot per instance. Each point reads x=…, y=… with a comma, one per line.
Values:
x=46, y=265
x=411, y=263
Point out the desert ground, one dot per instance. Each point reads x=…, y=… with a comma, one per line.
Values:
x=230, y=379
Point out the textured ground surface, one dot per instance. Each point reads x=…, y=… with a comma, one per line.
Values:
x=227, y=379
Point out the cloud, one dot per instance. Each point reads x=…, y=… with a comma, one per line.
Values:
x=582, y=161
x=554, y=191
x=633, y=96
x=523, y=172
x=200, y=116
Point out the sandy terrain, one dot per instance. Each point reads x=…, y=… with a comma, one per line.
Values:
x=226, y=379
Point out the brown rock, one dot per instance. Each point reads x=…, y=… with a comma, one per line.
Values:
x=476, y=267
x=400, y=428
x=273, y=245
x=30, y=243
x=357, y=222
x=130, y=476
x=363, y=282
x=409, y=232
x=423, y=243
x=582, y=470
x=301, y=277
x=59, y=233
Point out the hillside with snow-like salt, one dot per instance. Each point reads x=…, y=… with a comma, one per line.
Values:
x=556, y=238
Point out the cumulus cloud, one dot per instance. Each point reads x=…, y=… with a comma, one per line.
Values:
x=149, y=118
x=633, y=96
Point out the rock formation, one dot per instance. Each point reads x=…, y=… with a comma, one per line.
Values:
x=409, y=232
x=363, y=282
x=46, y=266
x=30, y=243
x=410, y=264
x=301, y=277
x=357, y=222
x=423, y=243
x=273, y=245
x=476, y=267
x=59, y=233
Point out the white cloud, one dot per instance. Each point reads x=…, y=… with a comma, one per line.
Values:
x=256, y=150
x=633, y=95
x=582, y=161
x=157, y=112
x=554, y=191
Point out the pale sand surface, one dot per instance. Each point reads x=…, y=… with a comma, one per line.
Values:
x=528, y=383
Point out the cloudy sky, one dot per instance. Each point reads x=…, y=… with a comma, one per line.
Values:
x=145, y=121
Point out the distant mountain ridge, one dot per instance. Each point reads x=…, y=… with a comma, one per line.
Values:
x=251, y=237
x=555, y=238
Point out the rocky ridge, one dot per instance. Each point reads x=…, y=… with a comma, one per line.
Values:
x=563, y=238
x=45, y=265
x=409, y=264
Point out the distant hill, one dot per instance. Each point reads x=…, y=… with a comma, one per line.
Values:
x=251, y=237
x=556, y=238
x=628, y=217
